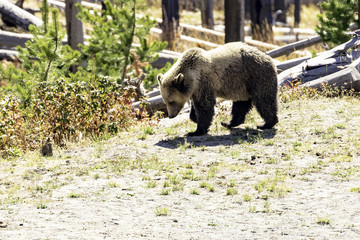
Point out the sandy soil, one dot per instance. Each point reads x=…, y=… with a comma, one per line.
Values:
x=305, y=195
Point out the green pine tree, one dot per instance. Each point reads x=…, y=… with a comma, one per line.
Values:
x=335, y=20
x=112, y=50
x=44, y=59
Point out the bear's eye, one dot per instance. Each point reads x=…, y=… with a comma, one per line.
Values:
x=171, y=102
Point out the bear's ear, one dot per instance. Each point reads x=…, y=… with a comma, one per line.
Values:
x=159, y=77
x=179, y=82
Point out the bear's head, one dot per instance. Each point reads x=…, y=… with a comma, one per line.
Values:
x=175, y=91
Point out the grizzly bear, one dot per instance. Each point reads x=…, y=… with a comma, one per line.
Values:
x=234, y=71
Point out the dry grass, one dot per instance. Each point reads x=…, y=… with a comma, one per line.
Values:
x=308, y=16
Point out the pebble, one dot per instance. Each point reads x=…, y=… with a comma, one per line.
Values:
x=2, y=224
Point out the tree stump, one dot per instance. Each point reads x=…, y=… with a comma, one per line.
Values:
x=261, y=20
x=170, y=24
x=207, y=19
x=234, y=20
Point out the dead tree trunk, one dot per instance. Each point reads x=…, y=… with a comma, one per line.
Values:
x=234, y=20
x=74, y=27
x=16, y=16
x=261, y=20
x=297, y=11
x=280, y=5
x=170, y=24
x=207, y=19
x=20, y=3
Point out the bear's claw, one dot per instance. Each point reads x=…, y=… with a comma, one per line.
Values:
x=266, y=126
x=196, y=133
x=226, y=124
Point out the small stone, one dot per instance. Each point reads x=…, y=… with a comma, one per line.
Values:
x=2, y=224
x=46, y=149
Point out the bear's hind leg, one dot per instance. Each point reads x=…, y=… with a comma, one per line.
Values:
x=238, y=112
x=267, y=108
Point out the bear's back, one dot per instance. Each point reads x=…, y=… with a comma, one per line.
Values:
x=236, y=67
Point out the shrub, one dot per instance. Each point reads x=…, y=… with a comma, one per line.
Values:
x=13, y=129
x=67, y=109
x=42, y=99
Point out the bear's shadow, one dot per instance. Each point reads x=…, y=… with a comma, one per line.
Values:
x=236, y=136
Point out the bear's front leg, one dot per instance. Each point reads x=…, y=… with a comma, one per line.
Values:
x=204, y=112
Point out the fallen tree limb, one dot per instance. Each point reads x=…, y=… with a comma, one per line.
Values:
x=293, y=47
x=17, y=16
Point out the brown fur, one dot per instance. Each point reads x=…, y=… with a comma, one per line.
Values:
x=234, y=71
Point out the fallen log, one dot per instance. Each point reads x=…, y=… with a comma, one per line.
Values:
x=349, y=78
x=293, y=47
x=328, y=66
x=61, y=5
x=10, y=39
x=165, y=56
x=17, y=16
x=282, y=66
x=153, y=105
x=299, y=71
x=10, y=55
x=320, y=72
x=187, y=42
x=290, y=31
x=202, y=33
x=152, y=93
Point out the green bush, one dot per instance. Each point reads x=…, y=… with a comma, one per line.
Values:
x=43, y=100
x=335, y=20
x=67, y=109
x=64, y=111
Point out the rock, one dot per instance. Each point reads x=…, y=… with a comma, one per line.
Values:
x=46, y=149
x=2, y=224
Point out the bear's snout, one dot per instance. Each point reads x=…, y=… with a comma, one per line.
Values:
x=172, y=115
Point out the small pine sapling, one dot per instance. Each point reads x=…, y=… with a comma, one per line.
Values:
x=335, y=20
x=111, y=50
x=44, y=59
